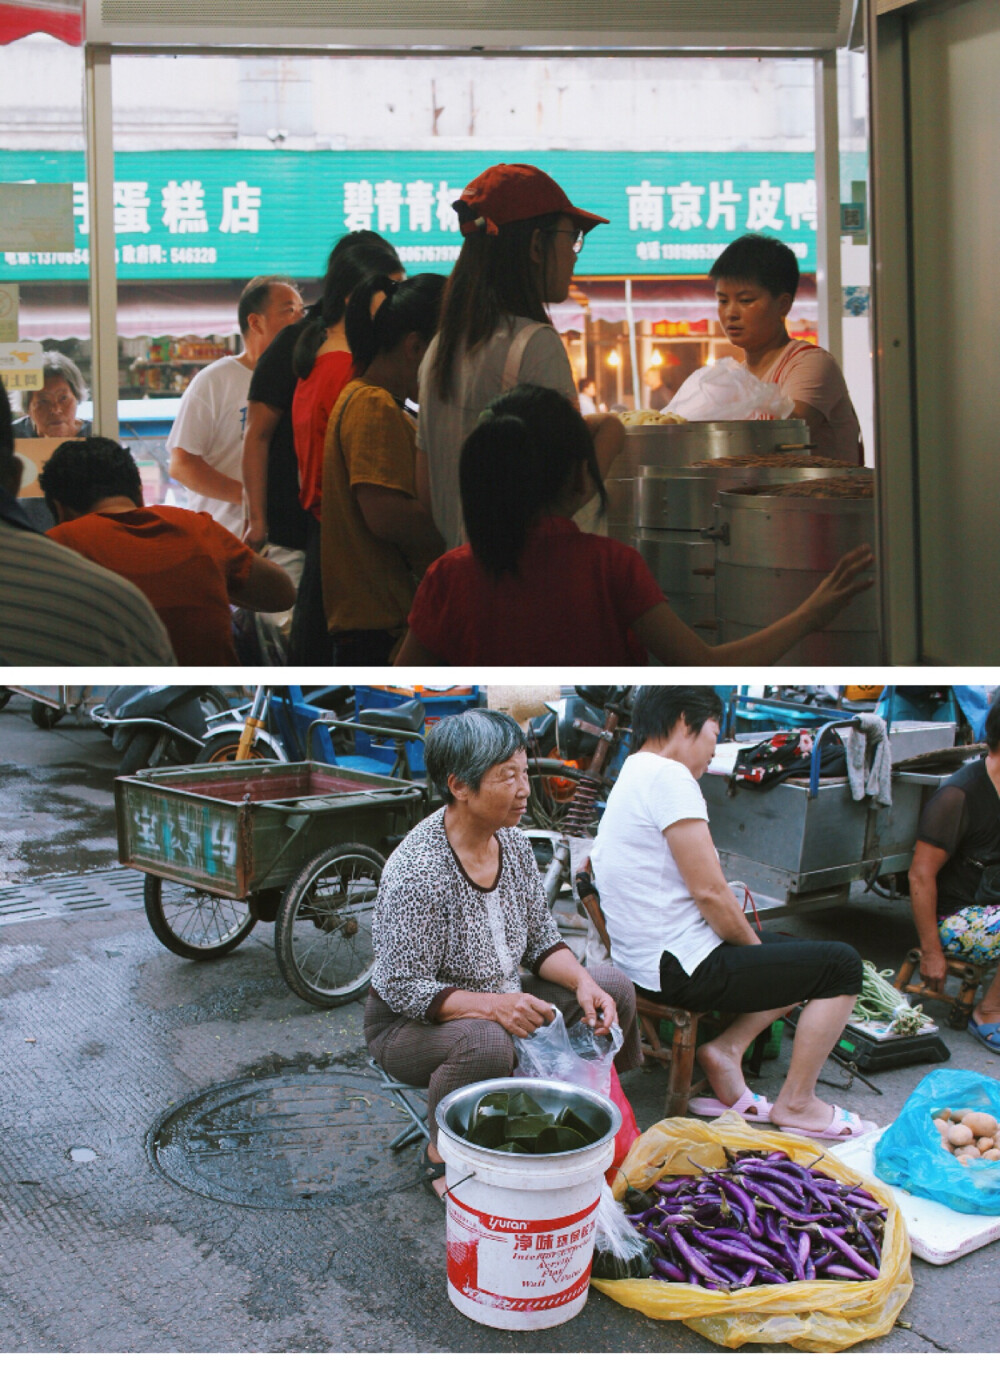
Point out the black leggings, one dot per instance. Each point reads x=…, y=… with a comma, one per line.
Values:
x=309, y=642
x=761, y=977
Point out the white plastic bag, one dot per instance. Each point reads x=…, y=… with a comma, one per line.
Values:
x=727, y=391
x=578, y=1056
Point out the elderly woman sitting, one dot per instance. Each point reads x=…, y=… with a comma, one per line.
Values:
x=677, y=929
x=460, y=910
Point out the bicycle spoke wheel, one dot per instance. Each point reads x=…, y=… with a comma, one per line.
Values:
x=194, y=923
x=323, y=934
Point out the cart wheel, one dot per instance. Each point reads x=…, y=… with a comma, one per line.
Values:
x=221, y=748
x=194, y=923
x=323, y=934
x=45, y=717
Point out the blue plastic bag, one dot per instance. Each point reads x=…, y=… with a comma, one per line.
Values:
x=910, y=1154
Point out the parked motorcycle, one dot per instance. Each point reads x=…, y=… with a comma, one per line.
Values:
x=281, y=716
x=154, y=725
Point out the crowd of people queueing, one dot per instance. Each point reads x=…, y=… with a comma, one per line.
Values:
x=403, y=472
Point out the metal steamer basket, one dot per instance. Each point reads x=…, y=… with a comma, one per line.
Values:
x=661, y=503
x=772, y=551
x=678, y=445
x=685, y=497
x=672, y=507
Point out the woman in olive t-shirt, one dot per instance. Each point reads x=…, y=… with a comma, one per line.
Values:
x=377, y=538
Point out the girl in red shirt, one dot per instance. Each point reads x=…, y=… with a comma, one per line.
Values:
x=529, y=588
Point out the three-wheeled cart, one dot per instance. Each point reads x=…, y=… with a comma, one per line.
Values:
x=301, y=844
x=804, y=841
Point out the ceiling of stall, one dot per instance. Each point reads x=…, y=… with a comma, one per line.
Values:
x=491, y=25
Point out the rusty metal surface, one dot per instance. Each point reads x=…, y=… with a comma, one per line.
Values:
x=234, y=847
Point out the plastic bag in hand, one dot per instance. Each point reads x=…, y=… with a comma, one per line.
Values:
x=578, y=1056
x=727, y=391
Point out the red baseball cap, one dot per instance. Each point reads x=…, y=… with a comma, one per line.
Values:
x=512, y=191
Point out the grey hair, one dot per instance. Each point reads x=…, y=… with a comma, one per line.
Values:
x=59, y=365
x=466, y=746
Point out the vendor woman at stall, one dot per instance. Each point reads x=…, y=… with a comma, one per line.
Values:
x=756, y=279
x=955, y=879
x=677, y=929
x=460, y=910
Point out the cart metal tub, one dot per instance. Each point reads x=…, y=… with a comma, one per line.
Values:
x=804, y=841
x=224, y=845
x=238, y=828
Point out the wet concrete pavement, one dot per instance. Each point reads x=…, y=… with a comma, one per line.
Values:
x=103, y=1033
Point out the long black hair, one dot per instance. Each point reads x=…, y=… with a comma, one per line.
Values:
x=354, y=257
x=494, y=279
x=517, y=462
x=409, y=307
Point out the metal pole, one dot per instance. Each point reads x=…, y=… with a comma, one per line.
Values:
x=632, y=350
x=829, y=290
x=103, y=282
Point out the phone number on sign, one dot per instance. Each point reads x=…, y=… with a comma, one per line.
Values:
x=193, y=255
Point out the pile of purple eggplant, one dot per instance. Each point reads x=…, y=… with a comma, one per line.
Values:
x=763, y=1219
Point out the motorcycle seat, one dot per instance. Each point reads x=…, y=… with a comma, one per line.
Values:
x=410, y=715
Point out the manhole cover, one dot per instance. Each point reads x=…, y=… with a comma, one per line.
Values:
x=293, y=1141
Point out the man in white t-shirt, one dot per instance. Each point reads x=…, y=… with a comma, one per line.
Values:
x=206, y=440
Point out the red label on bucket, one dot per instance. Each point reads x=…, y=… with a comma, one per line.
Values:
x=519, y=1265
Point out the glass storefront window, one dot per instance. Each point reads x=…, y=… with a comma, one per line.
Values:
x=41, y=117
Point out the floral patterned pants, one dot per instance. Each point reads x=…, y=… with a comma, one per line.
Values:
x=973, y=933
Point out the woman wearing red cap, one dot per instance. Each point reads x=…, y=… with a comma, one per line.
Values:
x=521, y=236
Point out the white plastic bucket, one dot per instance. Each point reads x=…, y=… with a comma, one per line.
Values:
x=520, y=1227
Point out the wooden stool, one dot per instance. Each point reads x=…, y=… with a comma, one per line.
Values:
x=679, y=1056
x=972, y=976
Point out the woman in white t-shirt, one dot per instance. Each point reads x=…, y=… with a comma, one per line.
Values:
x=521, y=235
x=677, y=929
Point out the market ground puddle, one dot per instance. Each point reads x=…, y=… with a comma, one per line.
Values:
x=290, y=1141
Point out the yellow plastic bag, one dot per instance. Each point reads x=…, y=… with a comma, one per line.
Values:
x=820, y=1317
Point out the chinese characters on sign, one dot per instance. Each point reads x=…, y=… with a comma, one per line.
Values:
x=380, y=206
x=384, y=202
x=181, y=204
x=648, y=210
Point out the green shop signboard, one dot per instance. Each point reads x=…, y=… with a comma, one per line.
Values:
x=189, y=214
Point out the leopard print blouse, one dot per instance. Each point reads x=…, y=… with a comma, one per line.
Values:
x=436, y=931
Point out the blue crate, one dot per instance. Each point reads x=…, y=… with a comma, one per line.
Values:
x=436, y=705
